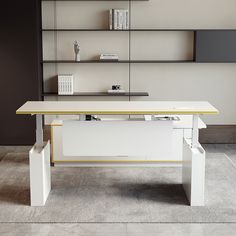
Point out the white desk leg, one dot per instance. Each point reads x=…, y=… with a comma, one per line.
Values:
x=40, y=175
x=193, y=171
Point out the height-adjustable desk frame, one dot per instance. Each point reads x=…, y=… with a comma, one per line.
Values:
x=193, y=154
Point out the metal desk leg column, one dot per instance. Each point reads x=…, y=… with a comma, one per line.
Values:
x=195, y=132
x=39, y=132
x=82, y=117
x=193, y=173
x=40, y=175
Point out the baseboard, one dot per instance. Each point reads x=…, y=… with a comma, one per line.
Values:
x=214, y=134
x=218, y=134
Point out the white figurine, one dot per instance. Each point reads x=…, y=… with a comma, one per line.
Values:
x=77, y=51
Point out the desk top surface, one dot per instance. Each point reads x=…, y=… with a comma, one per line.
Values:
x=116, y=108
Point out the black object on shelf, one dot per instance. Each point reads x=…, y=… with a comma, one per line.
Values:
x=92, y=117
x=100, y=94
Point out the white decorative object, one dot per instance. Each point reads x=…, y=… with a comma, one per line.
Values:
x=77, y=51
x=65, y=84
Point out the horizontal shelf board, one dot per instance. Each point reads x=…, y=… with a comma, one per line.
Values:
x=220, y=62
x=91, y=0
x=83, y=94
x=83, y=30
x=84, y=61
x=127, y=30
x=117, y=30
x=120, y=61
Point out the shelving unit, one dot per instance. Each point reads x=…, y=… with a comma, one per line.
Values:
x=101, y=94
x=129, y=61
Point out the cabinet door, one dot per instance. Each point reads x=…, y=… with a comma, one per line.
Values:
x=216, y=46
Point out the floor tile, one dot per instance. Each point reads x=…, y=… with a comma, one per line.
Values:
x=5, y=150
x=99, y=229
x=165, y=229
x=84, y=229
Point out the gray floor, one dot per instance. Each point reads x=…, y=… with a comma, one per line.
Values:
x=190, y=229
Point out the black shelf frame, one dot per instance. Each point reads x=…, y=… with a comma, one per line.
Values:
x=128, y=30
x=94, y=0
x=99, y=94
x=119, y=61
x=129, y=61
x=112, y=30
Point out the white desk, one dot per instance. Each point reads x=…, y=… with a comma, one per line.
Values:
x=152, y=136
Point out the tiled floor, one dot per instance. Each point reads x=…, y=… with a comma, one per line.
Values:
x=118, y=229
x=130, y=229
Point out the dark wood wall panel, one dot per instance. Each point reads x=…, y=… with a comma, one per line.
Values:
x=221, y=134
x=20, y=68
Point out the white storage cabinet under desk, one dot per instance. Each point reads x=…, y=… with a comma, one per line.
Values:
x=182, y=128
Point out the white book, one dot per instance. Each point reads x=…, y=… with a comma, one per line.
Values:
x=127, y=19
x=110, y=19
x=62, y=85
x=65, y=84
x=64, y=88
x=116, y=91
x=59, y=86
x=68, y=85
x=120, y=19
x=123, y=19
x=115, y=19
x=109, y=58
x=109, y=55
x=72, y=85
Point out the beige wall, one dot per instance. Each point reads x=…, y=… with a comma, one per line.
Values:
x=215, y=83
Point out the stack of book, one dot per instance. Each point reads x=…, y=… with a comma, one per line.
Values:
x=65, y=84
x=118, y=19
x=109, y=57
x=116, y=91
